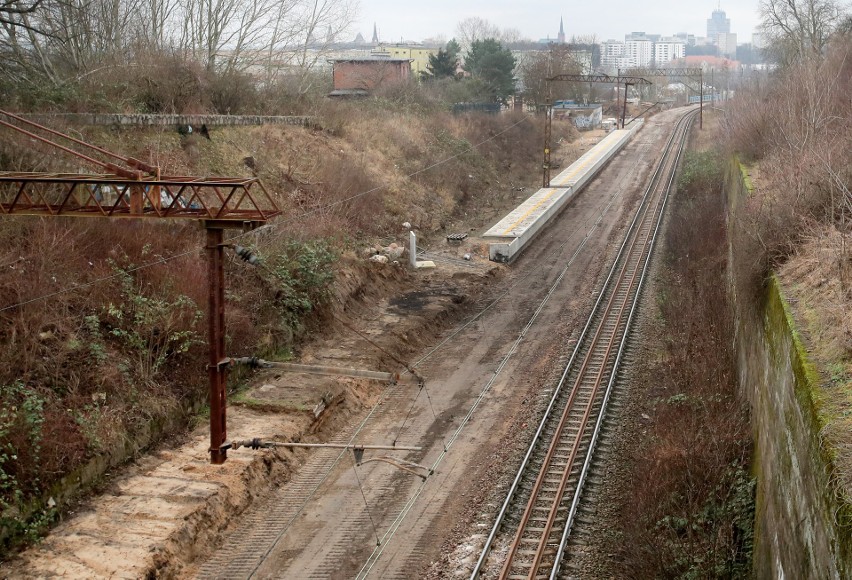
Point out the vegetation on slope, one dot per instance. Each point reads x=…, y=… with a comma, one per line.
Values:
x=689, y=512
x=793, y=129
x=87, y=371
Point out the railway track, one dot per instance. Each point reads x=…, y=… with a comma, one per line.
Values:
x=261, y=529
x=529, y=536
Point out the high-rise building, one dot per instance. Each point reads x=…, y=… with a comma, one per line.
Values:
x=727, y=44
x=717, y=24
x=668, y=49
x=638, y=49
x=612, y=55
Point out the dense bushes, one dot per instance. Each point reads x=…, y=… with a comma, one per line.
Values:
x=89, y=368
x=796, y=124
x=690, y=511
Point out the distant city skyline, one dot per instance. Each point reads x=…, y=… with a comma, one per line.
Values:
x=536, y=19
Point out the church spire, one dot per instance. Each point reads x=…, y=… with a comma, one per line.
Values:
x=375, y=34
x=561, y=37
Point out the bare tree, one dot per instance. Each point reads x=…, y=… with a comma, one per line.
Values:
x=154, y=22
x=305, y=36
x=475, y=28
x=799, y=29
x=509, y=36
x=12, y=10
x=58, y=41
x=537, y=67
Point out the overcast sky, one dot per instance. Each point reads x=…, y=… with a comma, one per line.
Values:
x=538, y=19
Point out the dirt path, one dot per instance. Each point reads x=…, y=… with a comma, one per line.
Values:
x=334, y=533
x=300, y=514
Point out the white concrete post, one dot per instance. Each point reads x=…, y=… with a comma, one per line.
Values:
x=412, y=249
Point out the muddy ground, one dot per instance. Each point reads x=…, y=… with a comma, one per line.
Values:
x=464, y=327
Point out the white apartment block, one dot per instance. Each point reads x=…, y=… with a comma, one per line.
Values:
x=638, y=51
x=667, y=50
x=612, y=55
x=727, y=43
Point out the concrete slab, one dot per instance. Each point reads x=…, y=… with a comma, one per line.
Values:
x=522, y=224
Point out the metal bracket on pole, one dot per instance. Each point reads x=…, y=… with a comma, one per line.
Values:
x=357, y=450
x=392, y=378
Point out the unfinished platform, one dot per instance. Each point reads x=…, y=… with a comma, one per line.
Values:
x=509, y=236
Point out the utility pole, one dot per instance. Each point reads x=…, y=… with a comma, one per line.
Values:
x=617, y=96
x=217, y=372
x=142, y=193
x=624, y=110
x=548, y=124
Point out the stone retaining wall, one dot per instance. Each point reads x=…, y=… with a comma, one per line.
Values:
x=798, y=529
x=159, y=120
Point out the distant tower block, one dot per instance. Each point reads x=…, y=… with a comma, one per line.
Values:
x=561, y=37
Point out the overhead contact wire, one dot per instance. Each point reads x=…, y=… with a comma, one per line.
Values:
x=432, y=352
x=366, y=504
x=261, y=229
x=391, y=532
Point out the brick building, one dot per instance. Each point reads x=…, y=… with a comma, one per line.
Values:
x=362, y=75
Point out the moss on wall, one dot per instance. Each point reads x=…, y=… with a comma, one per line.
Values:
x=800, y=530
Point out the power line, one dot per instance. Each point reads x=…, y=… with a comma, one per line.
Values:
x=268, y=227
x=387, y=392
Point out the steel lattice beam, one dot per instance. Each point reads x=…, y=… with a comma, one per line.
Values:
x=90, y=195
x=139, y=191
x=667, y=72
x=601, y=78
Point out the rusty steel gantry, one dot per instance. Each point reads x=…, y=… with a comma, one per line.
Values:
x=679, y=72
x=129, y=188
x=595, y=78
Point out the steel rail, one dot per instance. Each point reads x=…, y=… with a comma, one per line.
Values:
x=687, y=123
x=365, y=570
x=604, y=338
x=633, y=289
x=630, y=286
x=554, y=445
x=641, y=244
x=581, y=343
x=557, y=392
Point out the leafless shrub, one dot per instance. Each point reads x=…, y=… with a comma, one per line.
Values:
x=690, y=508
x=797, y=126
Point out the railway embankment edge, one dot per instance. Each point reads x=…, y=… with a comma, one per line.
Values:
x=803, y=522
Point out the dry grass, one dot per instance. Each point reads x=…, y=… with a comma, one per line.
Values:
x=817, y=279
x=84, y=370
x=689, y=511
x=798, y=219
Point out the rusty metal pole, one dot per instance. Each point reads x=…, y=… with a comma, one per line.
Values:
x=617, y=89
x=217, y=371
x=547, y=133
x=701, y=106
x=624, y=110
